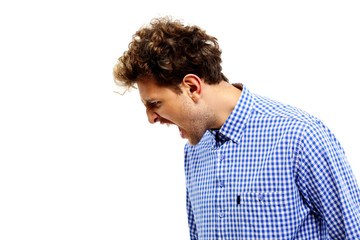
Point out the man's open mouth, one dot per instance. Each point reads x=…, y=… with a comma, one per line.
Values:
x=168, y=123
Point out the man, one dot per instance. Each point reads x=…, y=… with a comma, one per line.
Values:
x=255, y=168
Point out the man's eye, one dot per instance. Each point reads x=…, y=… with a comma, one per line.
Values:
x=154, y=104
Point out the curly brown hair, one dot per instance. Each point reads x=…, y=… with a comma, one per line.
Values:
x=166, y=51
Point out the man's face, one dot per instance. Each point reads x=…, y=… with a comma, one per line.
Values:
x=167, y=107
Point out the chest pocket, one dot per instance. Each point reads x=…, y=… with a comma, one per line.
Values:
x=265, y=215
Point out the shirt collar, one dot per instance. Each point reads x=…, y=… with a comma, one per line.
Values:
x=236, y=122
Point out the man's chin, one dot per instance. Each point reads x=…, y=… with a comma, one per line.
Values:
x=193, y=137
x=193, y=141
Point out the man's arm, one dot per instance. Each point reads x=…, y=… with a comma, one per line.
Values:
x=190, y=213
x=327, y=183
x=191, y=219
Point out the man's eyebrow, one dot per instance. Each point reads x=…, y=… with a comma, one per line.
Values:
x=150, y=101
x=145, y=101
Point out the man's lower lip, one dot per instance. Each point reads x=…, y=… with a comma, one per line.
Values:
x=181, y=133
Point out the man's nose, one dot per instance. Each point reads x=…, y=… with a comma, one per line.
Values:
x=153, y=117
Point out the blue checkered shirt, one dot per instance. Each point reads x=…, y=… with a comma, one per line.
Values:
x=271, y=172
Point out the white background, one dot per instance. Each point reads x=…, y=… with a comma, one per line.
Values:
x=81, y=162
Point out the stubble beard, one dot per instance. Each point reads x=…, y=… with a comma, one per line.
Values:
x=200, y=122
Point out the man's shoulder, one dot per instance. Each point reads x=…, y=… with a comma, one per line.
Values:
x=266, y=107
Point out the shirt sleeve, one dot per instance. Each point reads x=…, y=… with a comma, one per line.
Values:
x=191, y=220
x=327, y=182
x=190, y=213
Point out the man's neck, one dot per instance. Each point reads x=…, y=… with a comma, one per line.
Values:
x=221, y=100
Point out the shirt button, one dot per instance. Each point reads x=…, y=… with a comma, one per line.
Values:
x=221, y=214
x=221, y=184
x=260, y=197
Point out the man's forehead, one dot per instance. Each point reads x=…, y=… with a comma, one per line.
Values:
x=146, y=90
x=148, y=95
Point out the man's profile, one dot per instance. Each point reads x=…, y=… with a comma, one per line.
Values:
x=255, y=168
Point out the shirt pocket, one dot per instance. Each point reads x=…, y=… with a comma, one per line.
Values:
x=265, y=215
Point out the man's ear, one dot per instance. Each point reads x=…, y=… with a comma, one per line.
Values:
x=193, y=86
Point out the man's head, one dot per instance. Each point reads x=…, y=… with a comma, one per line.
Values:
x=170, y=63
x=166, y=51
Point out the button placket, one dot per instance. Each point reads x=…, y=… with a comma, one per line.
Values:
x=220, y=189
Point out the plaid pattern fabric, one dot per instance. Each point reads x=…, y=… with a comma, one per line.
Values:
x=271, y=172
